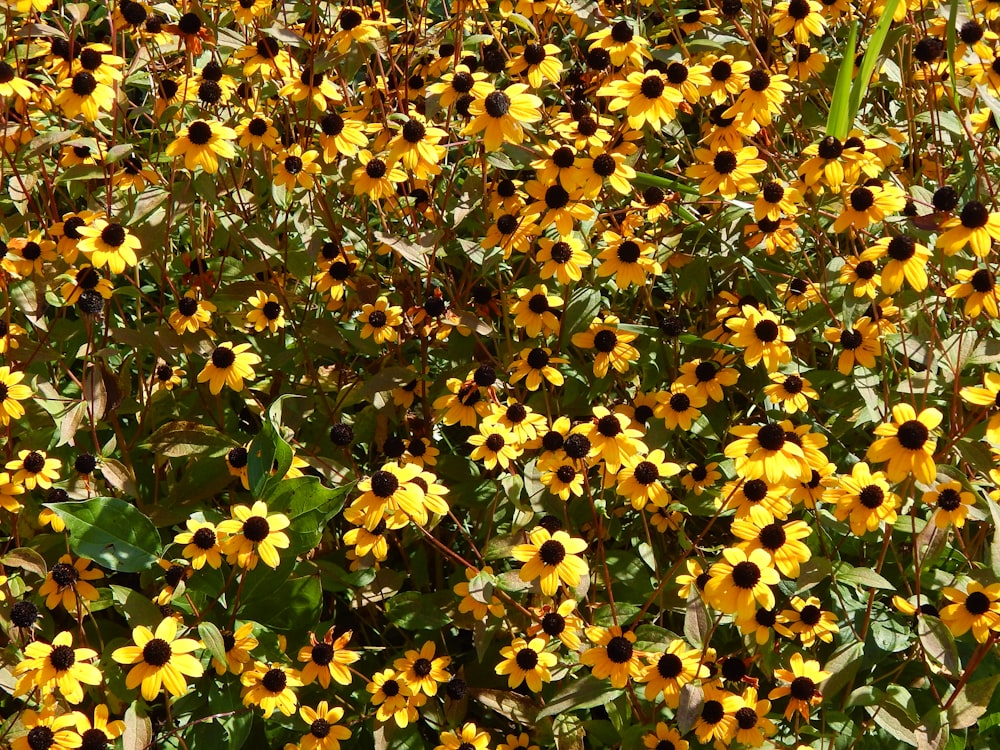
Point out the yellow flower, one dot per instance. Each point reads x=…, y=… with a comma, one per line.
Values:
x=270, y=687
x=293, y=166
x=951, y=504
x=977, y=608
x=253, y=535
x=526, y=661
x=45, y=729
x=12, y=393
x=202, y=544
x=160, y=659
x=469, y=737
x=613, y=345
x=907, y=444
x=395, y=699
x=613, y=655
x=34, y=469
x=762, y=337
x=726, y=172
x=325, y=733
x=327, y=659
x=375, y=178
x=267, y=312
x=665, y=674
x=191, y=314
x=807, y=621
x=84, y=94
x=380, y=320
x=976, y=226
x=422, y=671
x=229, y=365
x=57, y=666
x=202, y=144
x=865, y=498
x=645, y=97
x=802, y=679
x=238, y=646
x=988, y=395
x=741, y=582
x=502, y=115
x=109, y=244
x=553, y=558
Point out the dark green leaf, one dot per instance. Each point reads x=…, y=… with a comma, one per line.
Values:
x=111, y=532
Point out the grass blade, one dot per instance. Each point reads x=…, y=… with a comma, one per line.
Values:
x=838, y=122
x=861, y=83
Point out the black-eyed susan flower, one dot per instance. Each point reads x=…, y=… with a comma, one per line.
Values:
x=57, y=666
x=252, y=534
x=160, y=659
x=868, y=204
x=380, y=320
x=859, y=345
x=707, y=378
x=537, y=62
x=977, y=286
x=201, y=542
x=775, y=200
x=757, y=499
x=562, y=476
x=67, y=584
x=8, y=494
x=752, y=725
x=30, y=254
x=501, y=115
x=613, y=346
x=34, y=469
x=267, y=313
x=829, y=165
x=108, y=243
x=741, y=582
x=191, y=314
x=664, y=738
x=806, y=62
x=864, y=497
x=229, y=365
x=202, y=144
x=325, y=732
x=462, y=82
x=564, y=258
x=341, y=136
x=640, y=479
x=257, y=133
x=269, y=685
x=951, y=504
x=238, y=646
x=314, y=87
x=726, y=172
x=765, y=451
x=557, y=206
x=45, y=729
x=613, y=655
x=98, y=732
x=422, y=670
x=717, y=720
x=760, y=624
x=393, y=698
x=628, y=259
x=645, y=97
x=533, y=366
x=698, y=476
x=416, y=147
x=13, y=85
x=12, y=392
x=666, y=673
x=528, y=662
x=533, y=311
x=791, y=391
x=907, y=260
x=680, y=406
x=517, y=742
x=552, y=558
x=807, y=621
x=605, y=167
x=611, y=437
x=375, y=177
x=621, y=43
x=976, y=226
x=988, y=395
x=907, y=444
x=294, y=166
x=783, y=541
x=802, y=680
x=469, y=737
x=84, y=94
x=800, y=18
x=864, y=275
x=762, y=337
x=977, y=609
x=763, y=97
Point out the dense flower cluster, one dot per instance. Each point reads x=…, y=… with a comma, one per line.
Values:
x=499, y=375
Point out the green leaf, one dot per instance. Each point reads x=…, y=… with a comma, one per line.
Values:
x=972, y=701
x=861, y=577
x=413, y=610
x=111, y=532
x=137, y=608
x=585, y=692
x=838, y=122
x=268, y=453
x=294, y=604
x=182, y=438
x=580, y=312
x=212, y=639
x=872, y=53
x=308, y=505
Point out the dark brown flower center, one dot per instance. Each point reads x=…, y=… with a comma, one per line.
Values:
x=527, y=659
x=912, y=434
x=551, y=552
x=256, y=528
x=199, y=132
x=619, y=649
x=811, y=615
x=156, y=652
x=746, y=574
x=274, y=680
x=669, y=666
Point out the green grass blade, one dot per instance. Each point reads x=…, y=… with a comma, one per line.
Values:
x=838, y=122
x=861, y=83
